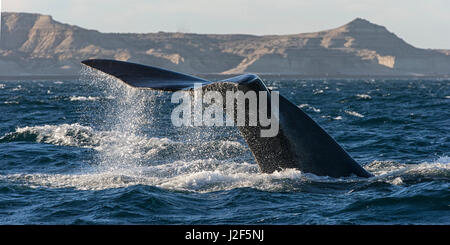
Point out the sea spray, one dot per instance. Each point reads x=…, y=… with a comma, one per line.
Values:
x=125, y=116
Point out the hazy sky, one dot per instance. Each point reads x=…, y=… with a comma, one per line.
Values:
x=422, y=23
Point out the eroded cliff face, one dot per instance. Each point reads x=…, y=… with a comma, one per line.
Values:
x=36, y=44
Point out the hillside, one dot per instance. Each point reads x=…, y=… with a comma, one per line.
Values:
x=34, y=44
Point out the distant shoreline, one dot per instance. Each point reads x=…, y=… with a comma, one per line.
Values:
x=263, y=76
x=358, y=49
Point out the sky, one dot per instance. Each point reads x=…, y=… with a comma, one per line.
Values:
x=422, y=23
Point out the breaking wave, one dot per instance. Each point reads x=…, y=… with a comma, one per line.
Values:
x=75, y=135
x=209, y=175
x=123, y=143
x=309, y=107
x=364, y=96
x=89, y=98
x=71, y=155
x=354, y=113
x=130, y=160
x=179, y=176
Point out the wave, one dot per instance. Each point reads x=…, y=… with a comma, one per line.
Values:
x=64, y=134
x=332, y=118
x=211, y=175
x=117, y=147
x=398, y=173
x=364, y=96
x=355, y=114
x=317, y=91
x=179, y=175
x=11, y=102
x=309, y=107
x=18, y=88
x=75, y=135
x=127, y=159
x=89, y=98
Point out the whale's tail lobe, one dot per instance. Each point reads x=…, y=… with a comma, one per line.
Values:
x=145, y=77
x=300, y=142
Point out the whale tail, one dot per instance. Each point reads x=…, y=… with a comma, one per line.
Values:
x=300, y=142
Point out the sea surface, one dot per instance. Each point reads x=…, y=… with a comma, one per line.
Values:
x=93, y=151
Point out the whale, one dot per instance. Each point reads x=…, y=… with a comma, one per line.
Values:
x=300, y=142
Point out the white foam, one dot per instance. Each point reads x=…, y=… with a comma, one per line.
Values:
x=309, y=107
x=334, y=118
x=364, y=96
x=64, y=134
x=354, y=113
x=397, y=181
x=11, y=102
x=89, y=98
x=18, y=88
x=180, y=175
x=210, y=175
x=84, y=136
x=318, y=91
x=397, y=173
x=443, y=160
x=2, y=86
x=221, y=179
x=126, y=157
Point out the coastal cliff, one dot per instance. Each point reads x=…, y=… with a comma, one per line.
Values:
x=35, y=44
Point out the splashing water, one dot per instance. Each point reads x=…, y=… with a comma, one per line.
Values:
x=125, y=116
x=107, y=153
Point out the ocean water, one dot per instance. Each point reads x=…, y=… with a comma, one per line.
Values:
x=92, y=151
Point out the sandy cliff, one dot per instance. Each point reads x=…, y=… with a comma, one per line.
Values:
x=37, y=44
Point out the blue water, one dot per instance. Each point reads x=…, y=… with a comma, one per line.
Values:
x=93, y=151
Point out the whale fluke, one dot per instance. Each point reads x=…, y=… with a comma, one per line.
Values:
x=145, y=77
x=300, y=143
